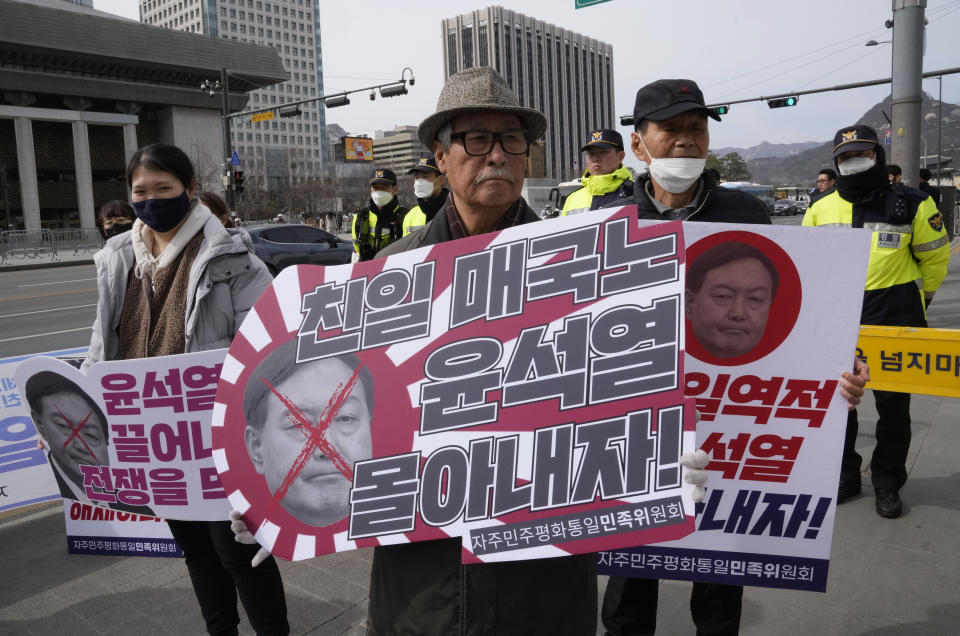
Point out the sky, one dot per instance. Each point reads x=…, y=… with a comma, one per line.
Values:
x=734, y=50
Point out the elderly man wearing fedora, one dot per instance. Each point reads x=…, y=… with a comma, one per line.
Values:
x=480, y=136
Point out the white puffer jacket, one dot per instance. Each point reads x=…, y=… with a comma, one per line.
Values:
x=226, y=279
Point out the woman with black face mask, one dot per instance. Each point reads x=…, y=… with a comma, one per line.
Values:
x=178, y=282
x=114, y=217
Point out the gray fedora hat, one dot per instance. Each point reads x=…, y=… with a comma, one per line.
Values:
x=476, y=89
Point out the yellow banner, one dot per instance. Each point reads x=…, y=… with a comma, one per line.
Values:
x=261, y=117
x=912, y=360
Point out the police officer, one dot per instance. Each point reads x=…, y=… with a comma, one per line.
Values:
x=606, y=182
x=909, y=254
x=381, y=222
x=428, y=186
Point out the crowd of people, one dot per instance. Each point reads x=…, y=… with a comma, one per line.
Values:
x=171, y=247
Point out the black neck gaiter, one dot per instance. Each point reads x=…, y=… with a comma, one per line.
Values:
x=864, y=186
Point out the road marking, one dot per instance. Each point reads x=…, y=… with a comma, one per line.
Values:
x=65, y=293
x=49, y=333
x=56, y=282
x=43, y=311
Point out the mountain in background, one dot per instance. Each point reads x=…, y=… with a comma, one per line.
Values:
x=802, y=168
x=767, y=149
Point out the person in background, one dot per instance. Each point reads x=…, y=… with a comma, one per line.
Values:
x=145, y=279
x=606, y=183
x=218, y=207
x=826, y=182
x=924, y=185
x=894, y=173
x=909, y=254
x=381, y=222
x=428, y=187
x=114, y=217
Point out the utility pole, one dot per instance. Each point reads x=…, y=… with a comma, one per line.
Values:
x=227, y=145
x=906, y=92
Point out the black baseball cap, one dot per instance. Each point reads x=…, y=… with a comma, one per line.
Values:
x=604, y=138
x=857, y=137
x=383, y=176
x=425, y=164
x=667, y=98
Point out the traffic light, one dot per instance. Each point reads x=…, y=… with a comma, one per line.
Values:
x=722, y=109
x=290, y=111
x=238, y=181
x=782, y=102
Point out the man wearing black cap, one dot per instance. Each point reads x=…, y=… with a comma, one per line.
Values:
x=431, y=195
x=671, y=136
x=380, y=223
x=606, y=183
x=909, y=254
x=926, y=187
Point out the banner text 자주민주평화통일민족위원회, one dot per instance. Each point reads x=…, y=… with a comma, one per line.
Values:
x=131, y=435
x=518, y=389
x=764, y=378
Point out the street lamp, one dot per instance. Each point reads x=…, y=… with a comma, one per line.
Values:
x=875, y=42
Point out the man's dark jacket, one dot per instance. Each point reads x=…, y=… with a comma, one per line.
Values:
x=421, y=588
x=714, y=204
x=814, y=197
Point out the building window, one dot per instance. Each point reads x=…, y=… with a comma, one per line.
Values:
x=467, y=46
x=452, y=51
x=482, y=35
x=519, y=52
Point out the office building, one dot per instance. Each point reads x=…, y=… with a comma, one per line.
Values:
x=280, y=151
x=398, y=149
x=565, y=75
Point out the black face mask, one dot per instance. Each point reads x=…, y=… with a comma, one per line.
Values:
x=864, y=186
x=162, y=215
x=115, y=229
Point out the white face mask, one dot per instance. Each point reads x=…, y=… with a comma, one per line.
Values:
x=422, y=188
x=856, y=165
x=675, y=174
x=380, y=198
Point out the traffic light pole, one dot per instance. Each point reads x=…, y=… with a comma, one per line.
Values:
x=227, y=144
x=906, y=91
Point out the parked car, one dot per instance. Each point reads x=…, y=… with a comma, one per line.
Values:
x=785, y=207
x=280, y=246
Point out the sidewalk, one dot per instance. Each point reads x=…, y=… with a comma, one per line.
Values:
x=887, y=577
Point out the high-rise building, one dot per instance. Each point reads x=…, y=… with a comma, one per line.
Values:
x=281, y=150
x=398, y=149
x=565, y=75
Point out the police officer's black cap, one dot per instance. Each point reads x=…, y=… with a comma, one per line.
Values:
x=383, y=176
x=857, y=137
x=425, y=164
x=604, y=138
x=665, y=99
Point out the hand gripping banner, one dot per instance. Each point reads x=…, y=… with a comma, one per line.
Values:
x=520, y=389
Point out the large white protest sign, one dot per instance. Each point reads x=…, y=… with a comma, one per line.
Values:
x=25, y=477
x=772, y=320
x=519, y=389
x=105, y=532
x=131, y=435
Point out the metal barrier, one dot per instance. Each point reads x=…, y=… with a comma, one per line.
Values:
x=33, y=244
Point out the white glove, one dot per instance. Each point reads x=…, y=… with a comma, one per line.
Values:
x=695, y=463
x=242, y=535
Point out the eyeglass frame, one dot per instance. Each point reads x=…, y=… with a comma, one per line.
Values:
x=495, y=137
x=825, y=180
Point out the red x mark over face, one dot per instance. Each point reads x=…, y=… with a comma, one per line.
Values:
x=316, y=432
x=76, y=431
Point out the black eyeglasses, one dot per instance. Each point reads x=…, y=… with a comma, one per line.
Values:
x=480, y=142
x=824, y=180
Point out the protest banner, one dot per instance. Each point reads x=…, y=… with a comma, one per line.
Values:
x=25, y=478
x=131, y=435
x=105, y=532
x=518, y=389
x=764, y=376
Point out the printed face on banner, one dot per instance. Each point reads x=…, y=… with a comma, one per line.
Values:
x=74, y=429
x=309, y=425
x=743, y=297
x=529, y=397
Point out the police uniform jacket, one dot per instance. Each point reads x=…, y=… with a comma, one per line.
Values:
x=422, y=588
x=419, y=214
x=600, y=191
x=374, y=228
x=909, y=250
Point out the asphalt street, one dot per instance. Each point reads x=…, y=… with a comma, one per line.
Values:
x=46, y=309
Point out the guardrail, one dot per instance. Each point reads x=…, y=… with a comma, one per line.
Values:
x=35, y=244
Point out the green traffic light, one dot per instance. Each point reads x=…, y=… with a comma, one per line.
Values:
x=791, y=101
x=722, y=110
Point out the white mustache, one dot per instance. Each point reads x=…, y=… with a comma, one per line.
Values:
x=494, y=173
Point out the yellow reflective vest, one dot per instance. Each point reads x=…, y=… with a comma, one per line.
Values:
x=600, y=191
x=371, y=233
x=415, y=219
x=909, y=250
